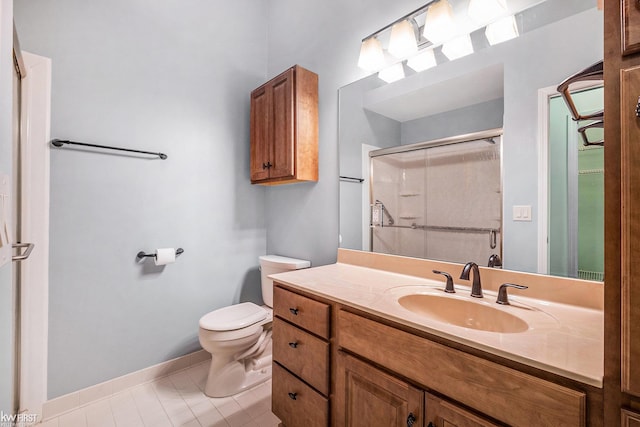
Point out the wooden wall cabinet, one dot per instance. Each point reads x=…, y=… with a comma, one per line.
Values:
x=284, y=129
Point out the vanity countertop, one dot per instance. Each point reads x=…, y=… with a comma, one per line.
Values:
x=564, y=339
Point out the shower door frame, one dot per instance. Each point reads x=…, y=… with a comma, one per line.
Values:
x=458, y=139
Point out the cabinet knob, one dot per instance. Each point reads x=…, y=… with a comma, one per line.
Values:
x=638, y=108
x=411, y=419
x=294, y=311
x=266, y=165
x=293, y=396
x=293, y=344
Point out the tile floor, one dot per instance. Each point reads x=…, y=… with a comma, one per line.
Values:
x=176, y=400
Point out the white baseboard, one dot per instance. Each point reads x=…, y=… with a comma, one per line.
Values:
x=68, y=402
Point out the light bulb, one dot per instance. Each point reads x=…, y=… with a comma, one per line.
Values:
x=439, y=26
x=483, y=11
x=392, y=73
x=422, y=61
x=371, y=55
x=458, y=47
x=402, y=42
x=502, y=30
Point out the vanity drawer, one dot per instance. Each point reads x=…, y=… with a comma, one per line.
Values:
x=502, y=393
x=303, y=354
x=302, y=311
x=295, y=403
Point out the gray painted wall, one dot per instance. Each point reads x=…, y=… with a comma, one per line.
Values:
x=474, y=118
x=159, y=77
x=6, y=291
x=358, y=126
x=323, y=36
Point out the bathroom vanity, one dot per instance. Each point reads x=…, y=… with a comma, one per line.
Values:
x=359, y=346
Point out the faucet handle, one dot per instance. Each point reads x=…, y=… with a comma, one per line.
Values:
x=503, y=298
x=449, y=286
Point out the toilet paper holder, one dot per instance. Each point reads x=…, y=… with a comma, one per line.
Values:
x=142, y=254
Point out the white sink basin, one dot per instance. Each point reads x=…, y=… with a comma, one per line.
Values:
x=479, y=315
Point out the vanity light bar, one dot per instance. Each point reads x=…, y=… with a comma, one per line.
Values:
x=408, y=40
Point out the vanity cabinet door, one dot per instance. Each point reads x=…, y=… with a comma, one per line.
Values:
x=366, y=396
x=440, y=413
x=630, y=419
x=295, y=403
x=301, y=311
x=302, y=353
x=630, y=124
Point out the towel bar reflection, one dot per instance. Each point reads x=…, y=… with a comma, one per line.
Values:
x=142, y=254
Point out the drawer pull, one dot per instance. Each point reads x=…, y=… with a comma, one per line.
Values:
x=293, y=344
x=294, y=311
x=293, y=396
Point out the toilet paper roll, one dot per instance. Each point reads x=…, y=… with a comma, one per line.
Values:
x=165, y=256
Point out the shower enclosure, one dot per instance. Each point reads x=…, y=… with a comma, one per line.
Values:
x=439, y=199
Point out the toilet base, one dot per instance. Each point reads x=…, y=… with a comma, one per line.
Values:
x=237, y=376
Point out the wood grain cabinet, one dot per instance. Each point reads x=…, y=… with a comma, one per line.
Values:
x=333, y=366
x=284, y=129
x=441, y=413
x=301, y=382
x=366, y=396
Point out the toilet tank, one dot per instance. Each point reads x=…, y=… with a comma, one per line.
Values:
x=272, y=264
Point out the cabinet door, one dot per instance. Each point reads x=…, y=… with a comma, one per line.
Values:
x=630, y=419
x=282, y=149
x=295, y=403
x=630, y=147
x=440, y=413
x=366, y=396
x=260, y=133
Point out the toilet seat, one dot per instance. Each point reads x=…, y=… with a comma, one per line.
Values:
x=233, y=317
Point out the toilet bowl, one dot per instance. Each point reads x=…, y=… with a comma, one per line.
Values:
x=239, y=336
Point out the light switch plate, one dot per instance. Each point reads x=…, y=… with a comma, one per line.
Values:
x=522, y=213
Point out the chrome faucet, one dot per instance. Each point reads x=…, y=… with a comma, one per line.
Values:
x=476, y=288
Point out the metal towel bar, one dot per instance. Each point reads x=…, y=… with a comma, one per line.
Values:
x=493, y=232
x=61, y=142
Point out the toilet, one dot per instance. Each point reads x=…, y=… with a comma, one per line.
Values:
x=239, y=336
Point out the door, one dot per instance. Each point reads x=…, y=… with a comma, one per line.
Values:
x=367, y=396
x=260, y=133
x=282, y=147
x=440, y=413
x=32, y=90
x=576, y=191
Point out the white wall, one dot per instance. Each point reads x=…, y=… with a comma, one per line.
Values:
x=162, y=76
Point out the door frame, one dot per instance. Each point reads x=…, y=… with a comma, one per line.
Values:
x=35, y=120
x=544, y=96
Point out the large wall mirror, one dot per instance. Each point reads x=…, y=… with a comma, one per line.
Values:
x=487, y=137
